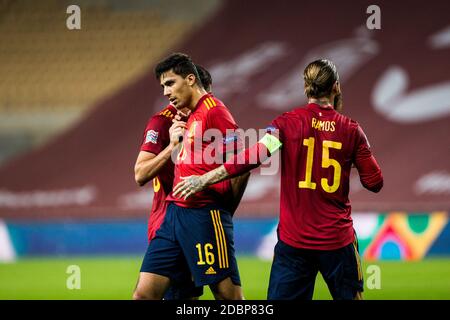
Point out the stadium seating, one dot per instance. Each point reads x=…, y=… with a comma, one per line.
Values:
x=45, y=66
x=54, y=75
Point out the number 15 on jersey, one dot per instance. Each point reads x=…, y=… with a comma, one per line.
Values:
x=327, y=162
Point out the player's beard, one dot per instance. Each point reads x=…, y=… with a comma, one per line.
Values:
x=338, y=103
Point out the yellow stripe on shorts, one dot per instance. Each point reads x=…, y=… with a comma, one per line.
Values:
x=224, y=240
x=221, y=240
x=358, y=259
x=218, y=242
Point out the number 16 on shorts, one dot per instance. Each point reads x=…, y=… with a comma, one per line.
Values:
x=205, y=255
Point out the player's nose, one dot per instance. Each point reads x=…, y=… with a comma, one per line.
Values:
x=167, y=92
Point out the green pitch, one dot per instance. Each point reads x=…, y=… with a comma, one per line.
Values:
x=115, y=278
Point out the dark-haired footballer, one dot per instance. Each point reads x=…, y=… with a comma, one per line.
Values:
x=198, y=232
x=153, y=163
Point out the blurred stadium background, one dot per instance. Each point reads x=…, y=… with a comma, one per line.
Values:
x=74, y=103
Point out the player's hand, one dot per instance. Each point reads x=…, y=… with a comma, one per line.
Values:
x=176, y=132
x=182, y=116
x=188, y=186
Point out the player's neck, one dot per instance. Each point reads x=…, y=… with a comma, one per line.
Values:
x=323, y=102
x=196, y=96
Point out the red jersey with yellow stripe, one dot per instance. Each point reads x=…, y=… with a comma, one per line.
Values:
x=319, y=148
x=209, y=129
x=156, y=138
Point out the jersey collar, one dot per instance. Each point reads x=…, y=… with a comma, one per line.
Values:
x=201, y=100
x=172, y=109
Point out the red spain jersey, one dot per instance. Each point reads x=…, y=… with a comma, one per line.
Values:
x=209, y=129
x=156, y=138
x=319, y=146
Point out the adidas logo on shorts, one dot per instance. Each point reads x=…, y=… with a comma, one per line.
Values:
x=210, y=271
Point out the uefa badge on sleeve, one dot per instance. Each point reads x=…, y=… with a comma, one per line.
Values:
x=270, y=129
x=152, y=136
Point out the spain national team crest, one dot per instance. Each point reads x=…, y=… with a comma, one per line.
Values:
x=152, y=136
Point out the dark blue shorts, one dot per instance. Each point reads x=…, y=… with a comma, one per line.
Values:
x=183, y=291
x=182, y=285
x=200, y=237
x=294, y=272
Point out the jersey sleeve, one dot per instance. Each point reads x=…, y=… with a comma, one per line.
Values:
x=156, y=135
x=254, y=156
x=276, y=128
x=221, y=119
x=366, y=164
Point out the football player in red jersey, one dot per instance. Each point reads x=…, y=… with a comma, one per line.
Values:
x=161, y=136
x=167, y=253
x=318, y=147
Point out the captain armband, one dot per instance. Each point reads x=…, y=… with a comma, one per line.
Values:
x=271, y=143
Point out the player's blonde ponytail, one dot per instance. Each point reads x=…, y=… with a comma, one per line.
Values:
x=319, y=77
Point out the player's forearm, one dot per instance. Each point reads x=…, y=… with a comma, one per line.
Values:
x=370, y=174
x=239, y=164
x=247, y=160
x=217, y=175
x=145, y=171
x=193, y=184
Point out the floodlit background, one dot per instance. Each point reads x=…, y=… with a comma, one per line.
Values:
x=74, y=104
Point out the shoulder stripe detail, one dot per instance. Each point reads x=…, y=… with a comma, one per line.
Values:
x=208, y=106
x=213, y=103
x=167, y=113
x=210, y=103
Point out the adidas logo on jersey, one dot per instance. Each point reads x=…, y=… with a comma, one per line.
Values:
x=210, y=271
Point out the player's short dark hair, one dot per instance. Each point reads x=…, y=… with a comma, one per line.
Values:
x=180, y=64
x=205, y=77
x=319, y=77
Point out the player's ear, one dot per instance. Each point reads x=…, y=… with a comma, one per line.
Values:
x=337, y=88
x=191, y=79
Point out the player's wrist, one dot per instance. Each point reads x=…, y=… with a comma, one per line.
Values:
x=173, y=144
